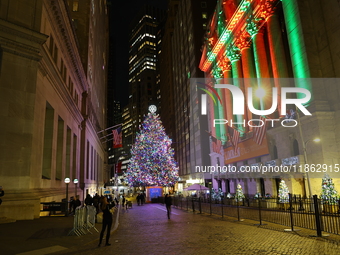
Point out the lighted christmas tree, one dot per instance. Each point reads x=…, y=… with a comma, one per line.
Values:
x=152, y=162
x=328, y=192
x=239, y=193
x=283, y=192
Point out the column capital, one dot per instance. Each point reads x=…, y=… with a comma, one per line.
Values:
x=254, y=25
x=233, y=53
x=216, y=72
x=243, y=41
x=267, y=8
x=225, y=65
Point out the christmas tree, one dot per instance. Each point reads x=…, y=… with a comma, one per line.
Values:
x=152, y=162
x=328, y=192
x=239, y=193
x=283, y=192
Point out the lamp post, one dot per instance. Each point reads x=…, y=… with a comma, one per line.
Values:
x=75, y=181
x=316, y=140
x=67, y=181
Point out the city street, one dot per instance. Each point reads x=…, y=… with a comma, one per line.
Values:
x=146, y=230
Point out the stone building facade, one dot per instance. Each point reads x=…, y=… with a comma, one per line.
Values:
x=270, y=41
x=53, y=62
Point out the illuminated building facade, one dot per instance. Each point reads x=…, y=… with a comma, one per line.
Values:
x=53, y=69
x=276, y=39
x=143, y=57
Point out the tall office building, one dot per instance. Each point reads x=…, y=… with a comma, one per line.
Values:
x=53, y=69
x=143, y=60
x=166, y=83
x=189, y=27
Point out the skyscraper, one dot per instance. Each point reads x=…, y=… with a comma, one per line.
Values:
x=143, y=60
x=189, y=25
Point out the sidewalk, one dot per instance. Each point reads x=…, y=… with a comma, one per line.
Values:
x=146, y=230
x=43, y=236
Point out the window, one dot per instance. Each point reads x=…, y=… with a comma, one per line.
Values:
x=296, y=148
x=204, y=15
x=75, y=6
x=51, y=45
x=275, y=156
x=227, y=186
x=55, y=54
x=203, y=4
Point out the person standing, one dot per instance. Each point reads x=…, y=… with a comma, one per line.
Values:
x=138, y=199
x=2, y=193
x=76, y=203
x=123, y=201
x=107, y=221
x=96, y=202
x=88, y=200
x=168, y=203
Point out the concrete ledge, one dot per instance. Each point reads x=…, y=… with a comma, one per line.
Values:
x=17, y=211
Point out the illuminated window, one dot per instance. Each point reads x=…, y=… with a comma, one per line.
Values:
x=75, y=6
x=204, y=15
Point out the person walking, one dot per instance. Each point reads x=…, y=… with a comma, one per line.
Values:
x=138, y=199
x=168, y=203
x=107, y=221
x=123, y=201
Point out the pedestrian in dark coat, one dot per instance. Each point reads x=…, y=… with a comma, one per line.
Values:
x=123, y=201
x=107, y=221
x=168, y=203
x=88, y=200
x=138, y=199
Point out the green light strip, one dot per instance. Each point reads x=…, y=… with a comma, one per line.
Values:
x=296, y=44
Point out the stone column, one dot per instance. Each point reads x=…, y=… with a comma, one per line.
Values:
x=234, y=55
x=277, y=55
x=227, y=99
x=226, y=95
x=248, y=70
x=262, y=70
x=218, y=107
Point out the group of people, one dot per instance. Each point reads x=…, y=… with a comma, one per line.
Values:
x=106, y=203
x=141, y=198
x=74, y=203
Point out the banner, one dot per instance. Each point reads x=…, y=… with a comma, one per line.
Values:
x=246, y=149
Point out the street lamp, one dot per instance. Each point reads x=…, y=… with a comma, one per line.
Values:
x=75, y=181
x=316, y=140
x=67, y=181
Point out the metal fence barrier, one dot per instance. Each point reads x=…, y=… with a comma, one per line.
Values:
x=310, y=213
x=84, y=220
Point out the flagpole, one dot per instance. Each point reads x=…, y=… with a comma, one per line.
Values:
x=110, y=128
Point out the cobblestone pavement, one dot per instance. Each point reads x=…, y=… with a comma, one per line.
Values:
x=146, y=230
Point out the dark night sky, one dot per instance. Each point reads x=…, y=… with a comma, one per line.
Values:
x=122, y=13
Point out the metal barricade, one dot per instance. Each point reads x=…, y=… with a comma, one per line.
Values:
x=84, y=220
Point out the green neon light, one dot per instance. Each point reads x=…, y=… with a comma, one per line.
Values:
x=296, y=44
